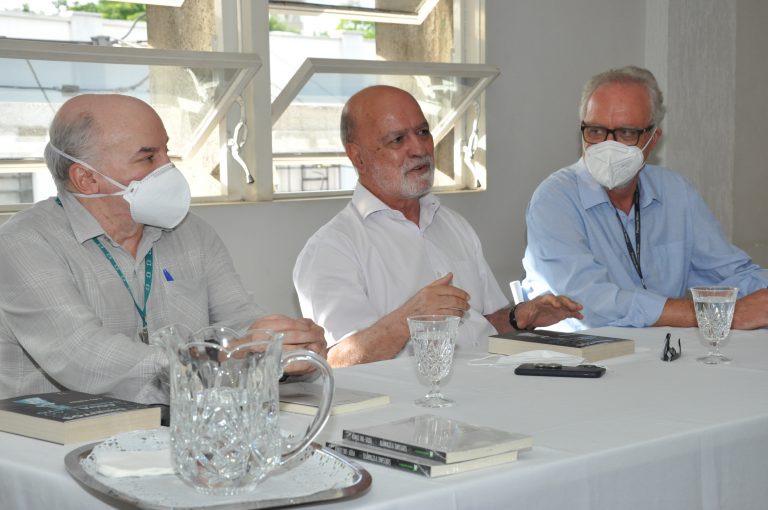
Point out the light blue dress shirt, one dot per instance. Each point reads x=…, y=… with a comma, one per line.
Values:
x=576, y=247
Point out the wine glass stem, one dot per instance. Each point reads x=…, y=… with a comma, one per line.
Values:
x=434, y=389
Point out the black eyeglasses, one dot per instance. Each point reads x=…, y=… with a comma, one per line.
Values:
x=625, y=135
x=670, y=353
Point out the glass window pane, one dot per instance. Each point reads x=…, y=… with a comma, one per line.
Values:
x=388, y=11
x=191, y=91
x=306, y=115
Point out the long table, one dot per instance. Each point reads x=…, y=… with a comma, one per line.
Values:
x=648, y=434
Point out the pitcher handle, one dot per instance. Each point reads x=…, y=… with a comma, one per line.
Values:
x=323, y=410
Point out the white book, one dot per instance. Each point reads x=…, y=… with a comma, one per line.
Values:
x=304, y=398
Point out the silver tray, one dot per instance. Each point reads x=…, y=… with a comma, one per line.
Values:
x=166, y=492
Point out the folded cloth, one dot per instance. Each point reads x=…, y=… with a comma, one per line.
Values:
x=118, y=464
x=535, y=356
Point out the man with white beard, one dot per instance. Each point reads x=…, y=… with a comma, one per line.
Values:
x=394, y=251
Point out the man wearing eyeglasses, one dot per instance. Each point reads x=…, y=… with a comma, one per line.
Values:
x=625, y=238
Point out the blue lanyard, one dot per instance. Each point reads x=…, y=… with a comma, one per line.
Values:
x=635, y=257
x=148, y=261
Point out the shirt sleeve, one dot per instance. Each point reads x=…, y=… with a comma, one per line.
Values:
x=332, y=289
x=559, y=260
x=714, y=260
x=229, y=303
x=43, y=308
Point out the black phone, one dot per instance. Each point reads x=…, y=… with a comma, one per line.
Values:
x=558, y=370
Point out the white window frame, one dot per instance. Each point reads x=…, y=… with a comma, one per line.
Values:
x=469, y=49
x=248, y=45
x=248, y=65
x=484, y=73
x=376, y=15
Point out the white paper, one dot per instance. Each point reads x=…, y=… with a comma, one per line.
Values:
x=536, y=356
x=117, y=464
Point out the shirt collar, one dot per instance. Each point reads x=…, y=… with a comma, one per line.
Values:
x=366, y=203
x=592, y=194
x=84, y=225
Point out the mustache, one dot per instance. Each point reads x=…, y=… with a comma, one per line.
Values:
x=417, y=162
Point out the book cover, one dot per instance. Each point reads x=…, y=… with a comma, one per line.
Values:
x=70, y=416
x=303, y=398
x=589, y=347
x=411, y=463
x=441, y=439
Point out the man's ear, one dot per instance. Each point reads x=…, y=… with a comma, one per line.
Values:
x=82, y=180
x=355, y=155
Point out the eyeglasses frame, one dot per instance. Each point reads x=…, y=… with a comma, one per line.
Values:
x=640, y=132
x=669, y=353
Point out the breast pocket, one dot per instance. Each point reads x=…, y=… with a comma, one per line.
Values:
x=187, y=302
x=666, y=269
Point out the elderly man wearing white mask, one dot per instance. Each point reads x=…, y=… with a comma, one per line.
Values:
x=87, y=276
x=625, y=238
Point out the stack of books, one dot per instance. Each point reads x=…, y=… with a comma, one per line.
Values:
x=431, y=445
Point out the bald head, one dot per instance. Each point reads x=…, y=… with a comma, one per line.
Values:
x=88, y=125
x=367, y=105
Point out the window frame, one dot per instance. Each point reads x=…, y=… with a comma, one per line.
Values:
x=247, y=65
x=375, y=15
x=248, y=40
x=484, y=73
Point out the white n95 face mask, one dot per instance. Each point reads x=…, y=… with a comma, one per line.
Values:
x=160, y=199
x=613, y=164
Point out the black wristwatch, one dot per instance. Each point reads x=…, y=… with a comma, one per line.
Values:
x=513, y=319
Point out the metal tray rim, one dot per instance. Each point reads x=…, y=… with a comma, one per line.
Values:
x=361, y=484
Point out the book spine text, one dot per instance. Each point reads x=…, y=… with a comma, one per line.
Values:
x=383, y=460
x=425, y=453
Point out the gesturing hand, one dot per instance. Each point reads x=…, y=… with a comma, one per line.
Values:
x=546, y=310
x=438, y=298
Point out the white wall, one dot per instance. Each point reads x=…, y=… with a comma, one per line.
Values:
x=751, y=108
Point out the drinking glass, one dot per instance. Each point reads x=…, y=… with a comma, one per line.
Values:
x=714, y=312
x=434, y=338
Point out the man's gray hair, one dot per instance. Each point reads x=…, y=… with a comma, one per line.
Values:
x=629, y=74
x=72, y=137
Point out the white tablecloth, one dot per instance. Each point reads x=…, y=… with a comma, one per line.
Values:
x=648, y=434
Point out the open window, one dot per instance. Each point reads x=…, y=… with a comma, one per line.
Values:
x=192, y=92
x=307, y=152
x=407, y=12
x=229, y=118
x=323, y=51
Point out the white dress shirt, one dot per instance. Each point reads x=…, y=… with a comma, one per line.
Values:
x=369, y=260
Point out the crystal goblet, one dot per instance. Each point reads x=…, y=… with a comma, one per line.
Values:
x=714, y=313
x=434, y=339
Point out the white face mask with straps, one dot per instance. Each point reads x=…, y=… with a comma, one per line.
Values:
x=613, y=164
x=160, y=199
